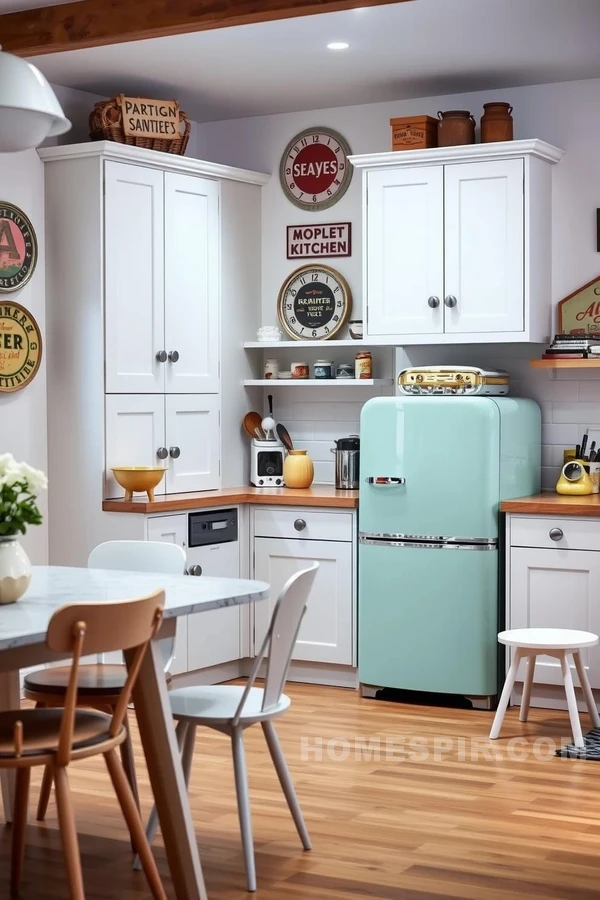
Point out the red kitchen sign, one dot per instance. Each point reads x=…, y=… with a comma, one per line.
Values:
x=310, y=241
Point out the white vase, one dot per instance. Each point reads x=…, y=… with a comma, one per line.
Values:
x=15, y=570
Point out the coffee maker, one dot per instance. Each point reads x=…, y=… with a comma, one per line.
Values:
x=266, y=463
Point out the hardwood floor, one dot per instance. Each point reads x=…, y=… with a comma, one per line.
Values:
x=424, y=821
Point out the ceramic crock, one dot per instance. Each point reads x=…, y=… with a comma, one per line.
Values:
x=496, y=122
x=298, y=469
x=15, y=570
x=456, y=126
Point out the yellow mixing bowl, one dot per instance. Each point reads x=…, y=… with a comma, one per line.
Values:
x=134, y=479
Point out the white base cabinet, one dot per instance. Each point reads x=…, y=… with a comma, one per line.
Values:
x=554, y=584
x=210, y=638
x=327, y=633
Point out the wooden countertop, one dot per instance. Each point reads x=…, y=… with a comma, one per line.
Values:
x=318, y=495
x=552, y=504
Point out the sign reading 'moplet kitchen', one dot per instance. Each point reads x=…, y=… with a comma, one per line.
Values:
x=150, y=118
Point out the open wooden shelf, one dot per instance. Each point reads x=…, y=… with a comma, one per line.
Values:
x=565, y=363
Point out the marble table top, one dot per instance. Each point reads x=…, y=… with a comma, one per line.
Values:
x=26, y=621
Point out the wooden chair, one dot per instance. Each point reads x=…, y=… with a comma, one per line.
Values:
x=55, y=737
x=231, y=709
x=100, y=685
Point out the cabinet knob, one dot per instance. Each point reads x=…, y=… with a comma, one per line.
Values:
x=556, y=534
x=195, y=570
x=162, y=452
x=434, y=302
x=173, y=356
x=450, y=301
x=299, y=524
x=161, y=356
x=174, y=452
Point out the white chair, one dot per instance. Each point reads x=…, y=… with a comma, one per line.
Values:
x=561, y=643
x=100, y=685
x=231, y=709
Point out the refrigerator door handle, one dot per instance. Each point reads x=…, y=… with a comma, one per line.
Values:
x=382, y=480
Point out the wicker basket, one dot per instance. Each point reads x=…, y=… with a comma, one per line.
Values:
x=106, y=124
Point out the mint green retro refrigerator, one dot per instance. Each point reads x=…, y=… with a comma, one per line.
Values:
x=433, y=471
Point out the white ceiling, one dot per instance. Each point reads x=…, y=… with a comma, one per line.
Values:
x=398, y=51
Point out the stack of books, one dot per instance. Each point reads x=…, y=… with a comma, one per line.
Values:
x=574, y=346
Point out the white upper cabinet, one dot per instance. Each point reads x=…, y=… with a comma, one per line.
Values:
x=484, y=260
x=405, y=227
x=134, y=278
x=193, y=441
x=191, y=284
x=457, y=243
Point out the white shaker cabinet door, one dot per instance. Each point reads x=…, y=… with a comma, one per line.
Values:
x=191, y=284
x=405, y=251
x=135, y=431
x=484, y=250
x=173, y=530
x=326, y=632
x=193, y=442
x=134, y=279
x=556, y=589
x=214, y=637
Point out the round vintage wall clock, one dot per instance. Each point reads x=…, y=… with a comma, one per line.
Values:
x=314, y=169
x=20, y=346
x=314, y=302
x=18, y=248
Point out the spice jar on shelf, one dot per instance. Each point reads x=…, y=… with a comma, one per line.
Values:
x=363, y=365
x=271, y=368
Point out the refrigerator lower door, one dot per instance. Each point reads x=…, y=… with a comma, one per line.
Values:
x=428, y=619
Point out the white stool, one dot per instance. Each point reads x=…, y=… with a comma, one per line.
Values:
x=562, y=644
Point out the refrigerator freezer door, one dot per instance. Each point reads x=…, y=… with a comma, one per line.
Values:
x=447, y=451
x=428, y=619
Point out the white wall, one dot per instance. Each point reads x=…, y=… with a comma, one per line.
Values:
x=567, y=115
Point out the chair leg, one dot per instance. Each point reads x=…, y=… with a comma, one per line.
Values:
x=571, y=700
x=127, y=759
x=45, y=792
x=587, y=690
x=151, y=827
x=506, y=692
x=243, y=802
x=526, y=695
x=134, y=823
x=19, y=827
x=68, y=834
x=285, y=780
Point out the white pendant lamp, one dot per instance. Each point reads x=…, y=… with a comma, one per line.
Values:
x=29, y=109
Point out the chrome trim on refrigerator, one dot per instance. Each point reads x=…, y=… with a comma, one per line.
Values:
x=429, y=538
x=384, y=480
x=426, y=545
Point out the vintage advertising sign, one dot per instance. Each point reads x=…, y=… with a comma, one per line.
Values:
x=18, y=248
x=20, y=346
x=314, y=169
x=307, y=241
x=150, y=118
x=579, y=313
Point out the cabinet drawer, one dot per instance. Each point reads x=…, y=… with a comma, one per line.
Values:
x=534, y=531
x=287, y=523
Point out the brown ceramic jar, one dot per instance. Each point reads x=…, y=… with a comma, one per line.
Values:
x=496, y=123
x=456, y=126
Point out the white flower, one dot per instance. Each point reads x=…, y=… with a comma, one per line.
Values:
x=7, y=461
x=35, y=479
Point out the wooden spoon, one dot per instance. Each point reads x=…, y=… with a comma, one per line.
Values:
x=284, y=436
x=253, y=427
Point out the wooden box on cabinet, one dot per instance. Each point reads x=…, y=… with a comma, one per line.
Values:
x=457, y=243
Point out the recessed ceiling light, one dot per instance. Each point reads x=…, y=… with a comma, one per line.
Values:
x=338, y=45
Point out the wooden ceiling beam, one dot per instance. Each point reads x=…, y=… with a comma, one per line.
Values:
x=95, y=23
